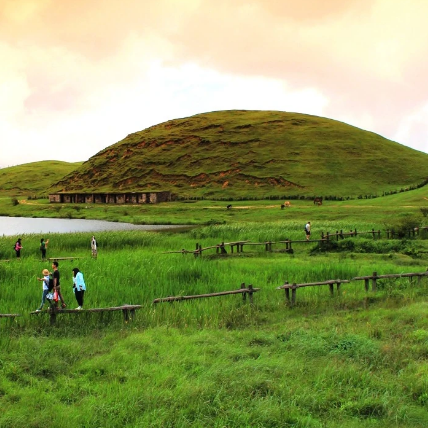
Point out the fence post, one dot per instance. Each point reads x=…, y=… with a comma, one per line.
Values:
x=293, y=294
x=52, y=317
x=337, y=235
x=338, y=286
x=250, y=288
x=244, y=294
x=366, y=284
x=327, y=235
x=374, y=281
x=287, y=293
x=341, y=233
x=196, y=250
x=331, y=289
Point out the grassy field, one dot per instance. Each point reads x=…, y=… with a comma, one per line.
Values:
x=357, y=359
x=33, y=179
x=382, y=211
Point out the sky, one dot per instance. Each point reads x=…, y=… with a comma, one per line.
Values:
x=79, y=75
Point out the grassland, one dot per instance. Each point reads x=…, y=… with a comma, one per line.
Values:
x=251, y=154
x=33, y=178
x=358, y=359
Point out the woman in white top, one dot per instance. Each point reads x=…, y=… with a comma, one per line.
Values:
x=94, y=246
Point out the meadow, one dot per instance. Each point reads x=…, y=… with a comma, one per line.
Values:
x=355, y=359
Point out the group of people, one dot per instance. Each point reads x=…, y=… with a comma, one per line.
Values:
x=44, y=246
x=52, y=288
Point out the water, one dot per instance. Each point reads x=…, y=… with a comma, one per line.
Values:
x=21, y=225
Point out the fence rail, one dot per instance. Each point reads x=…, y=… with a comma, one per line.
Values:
x=374, y=277
x=238, y=246
x=127, y=310
x=243, y=290
x=326, y=237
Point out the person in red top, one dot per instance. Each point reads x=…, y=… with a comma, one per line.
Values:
x=18, y=248
x=57, y=284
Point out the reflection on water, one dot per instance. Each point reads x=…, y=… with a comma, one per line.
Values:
x=21, y=225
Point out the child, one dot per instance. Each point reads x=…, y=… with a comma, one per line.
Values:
x=47, y=287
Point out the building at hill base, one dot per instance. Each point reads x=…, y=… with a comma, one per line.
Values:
x=110, y=197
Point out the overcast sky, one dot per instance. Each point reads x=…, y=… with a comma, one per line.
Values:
x=79, y=75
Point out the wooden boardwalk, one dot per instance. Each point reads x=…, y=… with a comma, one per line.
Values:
x=127, y=310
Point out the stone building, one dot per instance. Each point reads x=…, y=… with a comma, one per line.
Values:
x=110, y=197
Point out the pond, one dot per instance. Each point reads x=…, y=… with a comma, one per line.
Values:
x=21, y=225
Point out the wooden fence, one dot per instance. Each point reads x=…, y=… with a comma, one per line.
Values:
x=238, y=246
x=287, y=244
x=339, y=234
x=128, y=311
x=373, y=278
x=243, y=290
x=9, y=315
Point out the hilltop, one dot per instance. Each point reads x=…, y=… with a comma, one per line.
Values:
x=33, y=178
x=234, y=154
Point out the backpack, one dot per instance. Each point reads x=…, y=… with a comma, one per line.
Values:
x=51, y=284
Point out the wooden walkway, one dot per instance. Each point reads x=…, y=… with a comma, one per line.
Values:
x=373, y=278
x=243, y=290
x=55, y=259
x=127, y=310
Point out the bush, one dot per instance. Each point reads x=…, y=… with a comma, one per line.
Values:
x=15, y=202
x=404, y=226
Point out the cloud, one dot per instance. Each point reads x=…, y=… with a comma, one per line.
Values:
x=78, y=75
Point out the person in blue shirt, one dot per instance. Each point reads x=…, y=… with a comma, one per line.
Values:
x=79, y=287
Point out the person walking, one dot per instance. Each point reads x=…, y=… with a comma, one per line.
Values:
x=57, y=283
x=43, y=247
x=308, y=230
x=46, y=288
x=18, y=248
x=79, y=287
x=94, y=247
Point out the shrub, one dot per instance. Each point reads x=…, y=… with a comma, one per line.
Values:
x=404, y=226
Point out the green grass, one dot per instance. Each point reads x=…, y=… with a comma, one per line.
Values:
x=33, y=178
x=358, y=359
x=354, y=360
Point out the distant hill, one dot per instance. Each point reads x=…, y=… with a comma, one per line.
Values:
x=234, y=154
x=33, y=178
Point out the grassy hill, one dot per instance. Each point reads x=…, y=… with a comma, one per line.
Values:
x=239, y=154
x=33, y=178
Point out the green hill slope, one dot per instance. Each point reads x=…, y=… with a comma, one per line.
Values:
x=251, y=154
x=33, y=178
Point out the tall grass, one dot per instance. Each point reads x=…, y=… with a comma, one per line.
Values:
x=357, y=359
